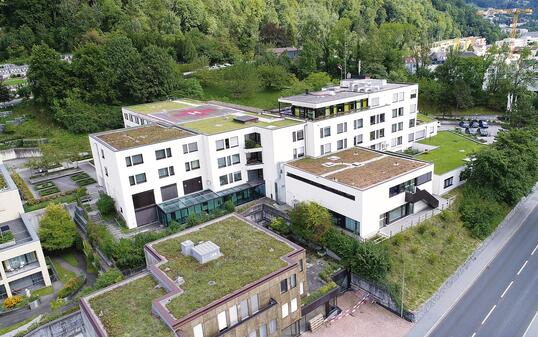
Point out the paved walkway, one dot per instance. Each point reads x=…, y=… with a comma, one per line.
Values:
x=467, y=274
x=22, y=328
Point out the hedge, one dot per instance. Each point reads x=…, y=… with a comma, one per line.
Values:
x=71, y=287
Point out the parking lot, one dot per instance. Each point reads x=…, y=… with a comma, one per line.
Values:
x=493, y=129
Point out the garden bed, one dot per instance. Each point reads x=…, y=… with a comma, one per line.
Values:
x=47, y=188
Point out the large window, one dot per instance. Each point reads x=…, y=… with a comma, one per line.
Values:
x=357, y=123
x=192, y=165
x=227, y=143
x=377, y=134
x=376, y=119
x=341, y=144
x=357, y=140
x=449, y=182
x=341, y=127
x=137, y=159
x=283, y=286
x=221, y=319
x=298, y=135
x=166, y=172
x=191, y=147
x=163, y=153
x=137, y=179
x=325, y=132
x=325, y=148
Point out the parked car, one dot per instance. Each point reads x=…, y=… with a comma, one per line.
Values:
x=483, y=124
x=483, y=132
x=463, y=124
x=472, y=131
x=474, y=124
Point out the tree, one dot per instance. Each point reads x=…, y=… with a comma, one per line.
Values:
x=524, y=113
x=310, y=221
x=5, y=95
x=47, y=76
x=316, y=81
x=241, y=80
x=157, y=75
x=105, y=204
x=274, y=77
x=57, y=231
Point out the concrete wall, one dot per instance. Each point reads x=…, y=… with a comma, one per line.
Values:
x=439, y=181
x=19, y=153
x=66, y=326
x=10, y=205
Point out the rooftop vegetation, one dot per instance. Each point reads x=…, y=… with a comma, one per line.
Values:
x=451, y=152
x=3, y=183
x=155, y=107
x=424, y=119
x=224, y=124
x=133, y=137
x=248, y=255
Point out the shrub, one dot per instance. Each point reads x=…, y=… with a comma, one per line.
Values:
x=398, y=240
x=108, y=278
x=320, y=292
x=434, y=231
x=72, y=286
x=229, y=206
x=370, y=261
x=57, y=231
x=192, y=220
x=478, y=213
x=21, y=185
x=12, y=301
x=6, y=237
x=413, y=249
x=432, y=258
x=421, y=229
x=105, y=204
x=280, y=226
x=310, y=221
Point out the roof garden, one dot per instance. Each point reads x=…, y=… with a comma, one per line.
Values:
x=126, y=310
x=249, y=254
x=424, y=119
x=150, y=108
x=215, y=125
x=451, y=152
x=3, y=183
x=124, y=139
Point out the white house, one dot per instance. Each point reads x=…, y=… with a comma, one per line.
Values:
x=22, y=264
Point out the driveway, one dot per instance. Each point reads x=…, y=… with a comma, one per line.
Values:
x=492, y=130
x=367, y=320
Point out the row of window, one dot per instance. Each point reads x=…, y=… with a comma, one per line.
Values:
x=227, y=143
x=292, y=307
x=298, y=135
x=230, y=178
x=409, y=186
x=138, y=159
x=135, y=119
x=228, y=161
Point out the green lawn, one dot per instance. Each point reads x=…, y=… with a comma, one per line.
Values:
x=217, y=125
x=424, y=119
x=452, y=151
x=158, y=106
x=16, y=325
x=60, y=200
x=64, y=275
x=14, y=81
x=137, y=320
x=70, y=258
x=262, y=99
x=43, y=291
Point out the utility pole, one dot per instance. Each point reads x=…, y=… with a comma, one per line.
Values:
x=345, y=55
x=359, y=68
x=403, y=285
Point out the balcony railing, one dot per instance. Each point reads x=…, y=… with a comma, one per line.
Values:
x=15, y=271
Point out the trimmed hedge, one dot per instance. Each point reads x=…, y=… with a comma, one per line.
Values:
x=21, y=185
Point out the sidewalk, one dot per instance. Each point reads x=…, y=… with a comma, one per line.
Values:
x=468, y=273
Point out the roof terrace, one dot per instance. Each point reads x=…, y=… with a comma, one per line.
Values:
x=358, y=167
x=162, y=107
x=124, y=139
x=249, y=254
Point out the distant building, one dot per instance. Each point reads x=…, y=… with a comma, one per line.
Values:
x=290, y=52
x=12, y=70
x=23, y=264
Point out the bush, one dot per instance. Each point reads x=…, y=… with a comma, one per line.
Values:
x=57, y=231
x=320, y=292
x=72, y=286
x=370, y=261
x=229, y=206
x=21, y=185
x=422, y=228
x=479, y=213
x=108, y=278
x=280, y=226
x=310, y=221
x=105, y=204
x=12, y=301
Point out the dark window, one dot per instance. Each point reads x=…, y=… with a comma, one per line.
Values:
x=326, y=188
x=191, y=147
x=143, y=199
x=140, y=178
x=293, y=281
x=237, y=176
x=128, y=161
x=160, y=154
x=423, y=178
x=192, y=185
x=132, y=180
x=137, y=159
x=169, y=192
x=221, y=162
x=301, y=266
x=449, y=182
x=223, y=180
x=283, y=286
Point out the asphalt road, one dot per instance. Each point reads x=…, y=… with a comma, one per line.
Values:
x=503, y=301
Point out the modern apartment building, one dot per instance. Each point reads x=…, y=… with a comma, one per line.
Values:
x=227, y=278
x=181, y=157
x=22, y=264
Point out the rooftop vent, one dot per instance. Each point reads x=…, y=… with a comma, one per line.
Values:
x=246, y=119
x=333, y=158
x=328, y=164
x=203, y=252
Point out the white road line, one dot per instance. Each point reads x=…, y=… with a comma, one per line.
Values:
x=523, y=266
x=505, y=290
x=535, y=248
x=489, y=313
x=527, y=330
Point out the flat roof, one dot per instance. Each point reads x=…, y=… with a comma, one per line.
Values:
x=358, y=167
x=164, y=106
x=451, y=152
x=6, y=183
x=128, y=138
x=19, y=230
x=249, y=253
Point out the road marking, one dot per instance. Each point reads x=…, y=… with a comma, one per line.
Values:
x=489, y=313
x=474, y=334
x=535, y=248
x=527, y=330
x=523, y=266
x=505, y=290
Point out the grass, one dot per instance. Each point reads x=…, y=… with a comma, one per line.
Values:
x=3, y=183
x=44, y=291
x=262, y=98
x=424, y=119
x=217, y=125
x=14, y=81
x=16, y=325
x=158, y=107
x=70, y=258
x=147, y=135
x=452, y=151
x=138, y=320
x=248, y=255
x=62, y=144
x=82, y=179
x=60, y=200
x=477, y=110
x=64, y=275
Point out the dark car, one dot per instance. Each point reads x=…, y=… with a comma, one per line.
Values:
x=474, y=124
x=483, y=124
x=483, y=132
x=463, y=124
x=472, y=131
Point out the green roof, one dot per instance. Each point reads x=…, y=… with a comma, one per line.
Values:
x=451, y=152
x=215, y=125
x=424, y=119
x=249, y=254
x=126, y=310
x=155, y=107
x=127, y=138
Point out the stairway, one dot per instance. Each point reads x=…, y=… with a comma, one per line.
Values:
x=316, y=323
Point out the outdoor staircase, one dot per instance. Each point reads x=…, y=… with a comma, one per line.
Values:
x=422, y=195
x=316, y=323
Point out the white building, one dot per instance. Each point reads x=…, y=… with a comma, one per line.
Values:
x=13, y=70
x=22, y=264
x=176, y=158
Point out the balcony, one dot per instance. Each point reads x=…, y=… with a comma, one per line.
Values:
x=254, y=158
x=22, y=268
x=253, y=141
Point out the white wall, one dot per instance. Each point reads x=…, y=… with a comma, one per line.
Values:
x=10, y=205
x=439, y=181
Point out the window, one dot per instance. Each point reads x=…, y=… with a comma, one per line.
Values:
x=341, y=127
x=227, y=143
x=252, y=333
x=284, y=310
x=423, y=179
x=298, y=135
x=293, y=305
x=198, y=331
x=137, y=179
x=192, y=165
x=325, y=132
x=233, y=142
x=132, y=181
x=412, y=123
x=357, y=123
x=400, y=111
x=411, y=137
x=223, y=180
x=414, y=93
x=221, y=319
x=449, y=182
x=301, y=265
x=325, y=148
x=128, y=161
x=166, y=172
x=220, y=144
x=401, y=96
x=376, y=119
x=293, y=281
x=272, y=326
x=106, y=172
x=237, y=176
x=283, y=286
x=126, y=116
x=394, y=127
x=298, y=152
x=395, y=97
x=102, y=154
x=164, y=153
x=377, y=134
x=413, y=108
x=374, y=101
x=254, y=304
x=341, y=144
x=191, y=147
x=221, y=162
x=397, y=141
x=301, y=288
x=394, y=113
x=235, y=159
x=243, y=306
x=232, y=312
x=263, y=330
x=357, y=140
